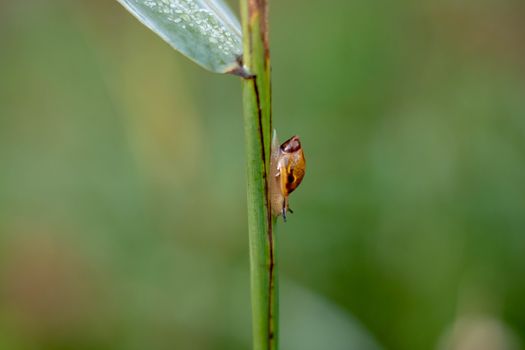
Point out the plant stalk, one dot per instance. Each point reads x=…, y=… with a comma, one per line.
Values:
x=258, y=131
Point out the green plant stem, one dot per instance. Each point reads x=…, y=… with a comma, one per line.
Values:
x=258, y=127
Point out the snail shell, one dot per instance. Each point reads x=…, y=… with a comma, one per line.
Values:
x=287, y=169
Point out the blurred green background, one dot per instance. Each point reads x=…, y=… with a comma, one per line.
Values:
x=122, y=193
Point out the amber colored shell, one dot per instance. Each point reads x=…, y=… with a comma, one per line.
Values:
x=287, y=171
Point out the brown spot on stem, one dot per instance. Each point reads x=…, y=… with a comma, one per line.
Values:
x=259, y=8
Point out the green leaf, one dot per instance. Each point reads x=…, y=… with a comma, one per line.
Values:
x=206, y=31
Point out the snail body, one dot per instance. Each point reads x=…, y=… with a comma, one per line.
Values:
x=287, y=169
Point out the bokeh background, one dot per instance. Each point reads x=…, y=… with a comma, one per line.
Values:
x=122, y=191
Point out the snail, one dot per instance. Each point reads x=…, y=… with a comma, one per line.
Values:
x=287, y=168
